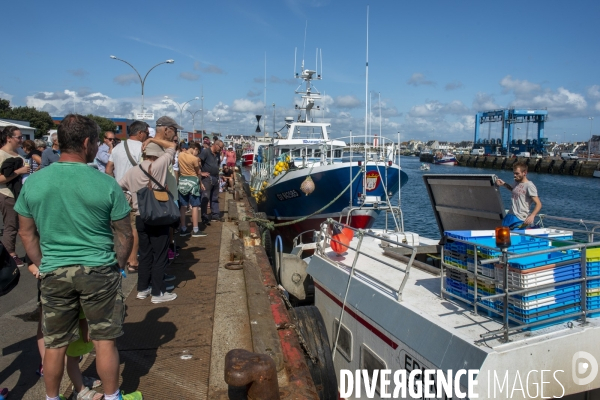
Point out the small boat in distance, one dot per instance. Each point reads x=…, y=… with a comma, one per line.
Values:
x=445, y=159
x=424, y=167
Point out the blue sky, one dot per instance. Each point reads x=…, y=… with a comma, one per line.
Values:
x=435, y=63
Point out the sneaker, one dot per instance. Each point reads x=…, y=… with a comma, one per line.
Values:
x=198, y=234
x=169, y=278
x=18, y=261
x=183, y=232
x=144, y=293
x=206, y=221
x=171, y=254
x=132, y=396
x=170, y=288
x=164, y=297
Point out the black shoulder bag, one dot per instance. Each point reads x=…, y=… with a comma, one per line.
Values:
x=9, y=272
x=156, y=206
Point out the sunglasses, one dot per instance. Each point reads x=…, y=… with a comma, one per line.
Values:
x=111, y=139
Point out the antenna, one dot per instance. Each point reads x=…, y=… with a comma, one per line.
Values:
x=265, y=95
x=295, y=51
x=367, y=86
x=304, y=50
x=321, y=53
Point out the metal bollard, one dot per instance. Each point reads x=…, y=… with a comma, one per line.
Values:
x=254, y=371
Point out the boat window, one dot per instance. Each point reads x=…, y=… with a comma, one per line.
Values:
x=328, y=153
x=371, y=361
x=345, y=341
x=317, y=153
x=338, y=153
x=296, y=153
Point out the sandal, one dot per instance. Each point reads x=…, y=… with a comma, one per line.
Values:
x=132, y=269
x=90, y=382
x=87, y=394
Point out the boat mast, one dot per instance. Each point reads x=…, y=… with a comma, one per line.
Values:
x=366, y=101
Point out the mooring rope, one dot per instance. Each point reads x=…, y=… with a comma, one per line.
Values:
x=271, y=225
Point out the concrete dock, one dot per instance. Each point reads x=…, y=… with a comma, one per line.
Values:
x=177, y=350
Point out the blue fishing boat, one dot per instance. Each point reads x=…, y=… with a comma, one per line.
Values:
x=305, y=176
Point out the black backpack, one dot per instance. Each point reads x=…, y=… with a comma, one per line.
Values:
x=9, y=272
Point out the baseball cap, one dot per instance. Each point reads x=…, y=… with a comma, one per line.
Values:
x=167, y=121
x=206, y=140
x=154, y=150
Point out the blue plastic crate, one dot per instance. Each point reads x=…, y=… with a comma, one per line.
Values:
x=593, y=268
x=528, y=319
x=593, y=284
x=552, y=291
x=469, y=235
x=540, y=260
x=560, y=302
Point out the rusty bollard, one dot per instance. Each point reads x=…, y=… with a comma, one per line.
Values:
x=255, y=371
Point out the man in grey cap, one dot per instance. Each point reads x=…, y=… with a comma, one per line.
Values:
x=166, y=129
x=153, y=240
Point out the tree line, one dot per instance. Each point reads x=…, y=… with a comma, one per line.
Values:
x=41, y=121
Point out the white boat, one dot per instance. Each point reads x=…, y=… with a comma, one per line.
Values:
x=447, y=159
x=385, y=311
x=424, y=167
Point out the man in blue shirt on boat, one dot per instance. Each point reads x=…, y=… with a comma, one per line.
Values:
x=524, y=193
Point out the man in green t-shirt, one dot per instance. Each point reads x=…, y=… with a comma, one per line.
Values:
x=67, y=214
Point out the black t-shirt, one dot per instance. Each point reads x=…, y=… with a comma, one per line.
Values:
x=210, y=162
x=227, y=172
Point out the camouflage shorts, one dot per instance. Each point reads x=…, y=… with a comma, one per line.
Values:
x=96, y=289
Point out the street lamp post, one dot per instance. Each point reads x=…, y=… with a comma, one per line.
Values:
x=143, y=81
x=180, y=106
x=273, y=119
x=590, y=142
x=193, y=121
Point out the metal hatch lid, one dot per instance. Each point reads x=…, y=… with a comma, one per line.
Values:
x=465, y=202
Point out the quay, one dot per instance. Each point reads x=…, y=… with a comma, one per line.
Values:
x=546, y=165
x=227, y=299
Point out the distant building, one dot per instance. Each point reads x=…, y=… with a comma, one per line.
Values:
x=24, y=126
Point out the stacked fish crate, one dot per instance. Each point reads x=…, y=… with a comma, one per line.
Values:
x=526, y=272
x=593, y=286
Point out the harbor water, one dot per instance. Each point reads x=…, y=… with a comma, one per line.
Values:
x=561, y=195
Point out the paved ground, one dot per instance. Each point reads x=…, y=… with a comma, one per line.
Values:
x=166, y=348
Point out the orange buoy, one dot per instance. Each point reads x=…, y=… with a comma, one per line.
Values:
x=340, y=238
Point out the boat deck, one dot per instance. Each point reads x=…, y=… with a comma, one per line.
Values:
x=421, y=295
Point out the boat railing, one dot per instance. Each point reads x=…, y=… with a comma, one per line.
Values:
x=385, y=206
x=591, y=227
x=377, y=148
x=498, y=303
x=326, y=237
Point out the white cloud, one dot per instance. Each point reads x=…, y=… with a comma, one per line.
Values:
x=418, y=79
x=453, y=85
x=484, y=102
x=245, y=106
x=519, y=87
x=347, y=101
x=6, y=96
x=126, y=79
x=594, y=92
x=559, y=103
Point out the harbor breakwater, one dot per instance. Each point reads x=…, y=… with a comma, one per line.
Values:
x=548, y=165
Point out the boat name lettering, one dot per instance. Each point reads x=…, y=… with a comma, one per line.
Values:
x=309, y=141
x=290, y=194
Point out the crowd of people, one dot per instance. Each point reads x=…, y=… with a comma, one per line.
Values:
x=80, y=241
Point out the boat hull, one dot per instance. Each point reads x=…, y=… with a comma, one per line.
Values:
x=285, y=202
x=247, y=159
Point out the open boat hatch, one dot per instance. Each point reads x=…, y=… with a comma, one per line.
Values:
x=464, y=202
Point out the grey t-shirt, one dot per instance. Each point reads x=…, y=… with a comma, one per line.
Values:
x=210, y=162
x=521, y=199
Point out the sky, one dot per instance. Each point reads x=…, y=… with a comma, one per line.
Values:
x=432, y=64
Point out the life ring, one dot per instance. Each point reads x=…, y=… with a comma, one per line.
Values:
x=312, y=327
